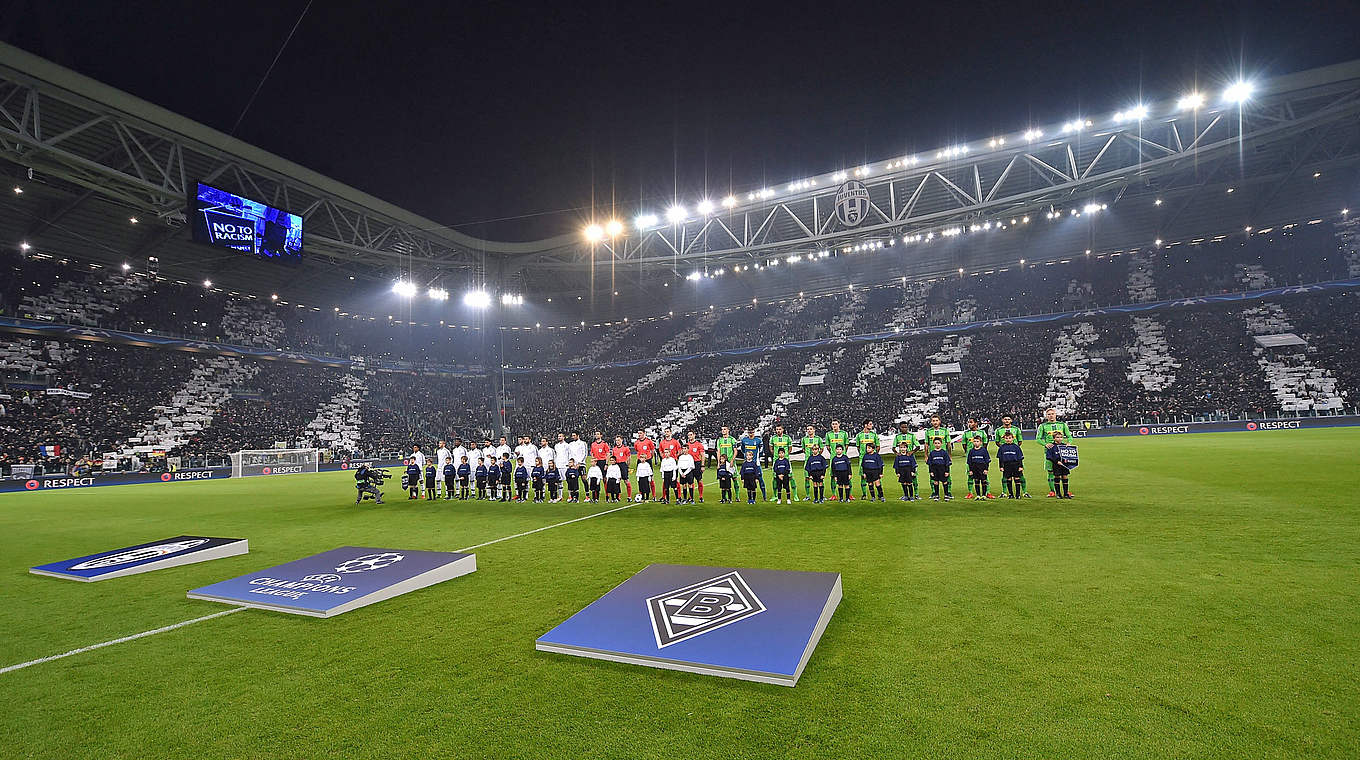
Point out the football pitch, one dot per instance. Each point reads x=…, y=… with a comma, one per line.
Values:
x=1199, y=598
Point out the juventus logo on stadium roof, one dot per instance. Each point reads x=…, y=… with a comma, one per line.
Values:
x=701, y=607
x=852, y=203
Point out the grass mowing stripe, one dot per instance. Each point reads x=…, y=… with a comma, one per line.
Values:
x=183, y=623
x=120, y=640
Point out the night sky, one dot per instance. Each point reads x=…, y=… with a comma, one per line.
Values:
x=508, y=120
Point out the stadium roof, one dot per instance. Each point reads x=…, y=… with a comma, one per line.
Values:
x=1166, y=168
x=99, y=157
x=1187, y=149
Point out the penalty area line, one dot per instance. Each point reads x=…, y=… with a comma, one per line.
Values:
x=182, y=623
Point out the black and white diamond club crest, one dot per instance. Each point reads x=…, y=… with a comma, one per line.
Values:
x=701, y=607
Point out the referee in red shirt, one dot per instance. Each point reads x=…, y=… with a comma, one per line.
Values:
x=696, y=450
x=621, y=454
x=599, y=450
x=669, y=446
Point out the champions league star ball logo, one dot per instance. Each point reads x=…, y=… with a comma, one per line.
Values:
x=137, y=555
x=852, y=203
x=368, y=562
x=701, y=608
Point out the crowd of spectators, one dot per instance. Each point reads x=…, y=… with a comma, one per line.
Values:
x=1300, y=253
x=402, y=407
x=1329, y=325
x=123, y=382
x=1004, y=371
x=275, y=407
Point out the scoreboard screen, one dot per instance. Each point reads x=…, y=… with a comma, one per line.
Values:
x=221, y=218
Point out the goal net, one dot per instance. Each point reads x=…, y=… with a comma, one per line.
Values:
x=274, y=461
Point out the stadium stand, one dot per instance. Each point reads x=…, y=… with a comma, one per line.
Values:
x=1287, y=356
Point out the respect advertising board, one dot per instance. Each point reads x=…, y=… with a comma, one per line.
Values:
x=66, y=482
x=337, y=581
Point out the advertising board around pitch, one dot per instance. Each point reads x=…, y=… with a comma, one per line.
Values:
x=339, y=580
x=143, y=558
x=751, y=624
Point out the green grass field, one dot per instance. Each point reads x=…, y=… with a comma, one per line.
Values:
x=1200, y=598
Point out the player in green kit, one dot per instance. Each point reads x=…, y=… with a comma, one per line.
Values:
x=781, y=445
x=727, y=447
x=865, y=440
x=1044, y=435
x=904, y=437
x=809, y=443
x=968, y=435
x=1007, y=426
x=836, y=437
x=937, y=429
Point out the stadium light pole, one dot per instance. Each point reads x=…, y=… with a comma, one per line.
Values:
x=613, y=228
x=594, y=233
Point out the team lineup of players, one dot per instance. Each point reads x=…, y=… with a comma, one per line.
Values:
x=568, y=468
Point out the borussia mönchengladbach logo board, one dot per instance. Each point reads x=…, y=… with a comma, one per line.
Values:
x=756, y=625
x=143, y=558
x=340, y=580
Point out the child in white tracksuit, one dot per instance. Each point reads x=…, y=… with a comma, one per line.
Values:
x=644, y=473
x=684, y=470
x=596, y=477
x=668, y=465
x=613, y=477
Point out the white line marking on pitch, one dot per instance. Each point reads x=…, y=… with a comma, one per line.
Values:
x=549, y=527
x=183, y=623
x=110, y=643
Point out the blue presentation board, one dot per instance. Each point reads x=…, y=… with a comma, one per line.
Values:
x=340, y=580
x=143, y=558
x=756, y=625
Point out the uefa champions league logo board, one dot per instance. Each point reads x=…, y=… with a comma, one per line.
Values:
x=340, y=580
x=143, y=558
x=756, y=625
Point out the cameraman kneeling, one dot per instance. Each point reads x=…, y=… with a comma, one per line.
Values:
x=365, y=479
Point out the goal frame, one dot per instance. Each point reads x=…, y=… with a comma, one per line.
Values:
x=251, y=462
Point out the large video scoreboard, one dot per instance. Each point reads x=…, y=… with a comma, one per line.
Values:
x=221, y=218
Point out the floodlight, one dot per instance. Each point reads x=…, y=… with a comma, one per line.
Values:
x=1238, y=91
x=594, y=233
x=404, y=288
x=1190, y=102
x=613, y=227
x=675, y=214
x=477, y=299
x=705, y=207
